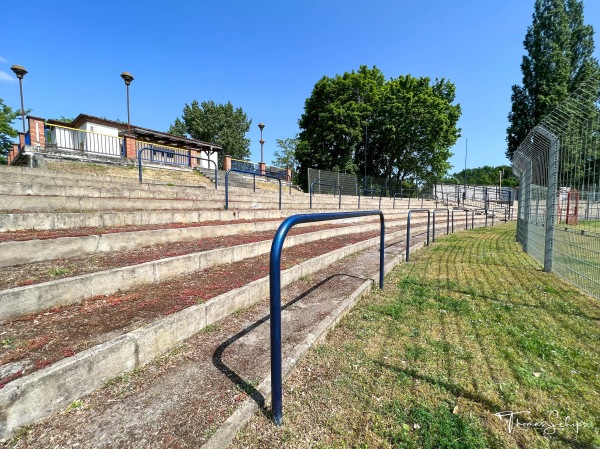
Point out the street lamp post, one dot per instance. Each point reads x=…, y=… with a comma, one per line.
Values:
x=366, y=144
x=466, y=152
x=261, y=126
x=20, y=72
x=500, y=192
x=128, y=78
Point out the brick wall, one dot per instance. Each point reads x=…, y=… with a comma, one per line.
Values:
x=37, y=137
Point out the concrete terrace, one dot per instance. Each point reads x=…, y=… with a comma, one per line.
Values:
x=106, y=279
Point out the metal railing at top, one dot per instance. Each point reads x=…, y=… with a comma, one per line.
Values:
x=271, y=170
x=190, y=158
x=408, y=228
x=247, y=173
x=165, y=155
x=381, y=192
x=239, y=164
x=407, y=193
x=466, y=211
x=63, y=137
x=275, y=291
x=447, y=222
x=328, y=184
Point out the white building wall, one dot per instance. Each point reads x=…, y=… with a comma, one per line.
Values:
x=213, y=157
x=101, y=139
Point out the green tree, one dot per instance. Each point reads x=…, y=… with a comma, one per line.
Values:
x=334, y=121
x=414, y=128
x=484, y=176
x=7, y=132
x=215, y=123
x=559, y=58
x=287, y=156
x=360, y=123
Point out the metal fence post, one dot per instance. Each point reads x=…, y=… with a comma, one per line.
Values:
x=551, y=202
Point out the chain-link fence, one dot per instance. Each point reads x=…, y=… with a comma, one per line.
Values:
x=491, y=198
x=472, y=196
x=558, y=166
x=326, y=182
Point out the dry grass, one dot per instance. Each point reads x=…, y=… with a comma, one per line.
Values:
x=471, y=328
x=173, y=176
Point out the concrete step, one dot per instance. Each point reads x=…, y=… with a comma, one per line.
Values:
x=110, y=219
x=70, y=290
x=84, y=189
x=33, y=298
x=47, y=390
x=19, y=252
x=46, y=203
x=54, y=177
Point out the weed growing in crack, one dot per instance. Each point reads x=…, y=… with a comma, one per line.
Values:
x=77, y=404
x=55, y=272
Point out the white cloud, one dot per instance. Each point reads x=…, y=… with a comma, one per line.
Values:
x=2, y=59
x=6, y=77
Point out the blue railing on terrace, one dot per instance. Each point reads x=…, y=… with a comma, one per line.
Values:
x=166, y=153
x=327, y=184
x=249, y=166
x=245, y=172
x=275, y=291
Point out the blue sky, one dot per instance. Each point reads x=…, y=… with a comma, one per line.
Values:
x=264, y=57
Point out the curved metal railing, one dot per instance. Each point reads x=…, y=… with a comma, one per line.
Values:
x=275, y=291
x=408, y=228
x=247, y=172
x=173, y=153
x=328, y=184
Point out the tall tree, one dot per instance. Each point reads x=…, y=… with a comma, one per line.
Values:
x=334, y=121
x=7, y=132
x=360, y=123
x=286, y=158
x=559, y=58
x=415, y=127
x=484, y=176
x=216, y=123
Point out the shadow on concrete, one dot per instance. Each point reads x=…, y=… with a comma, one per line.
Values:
x=235, y=378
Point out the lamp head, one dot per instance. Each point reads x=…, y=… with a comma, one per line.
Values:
x=261, y=126
x=19, y=71
x=127, y=77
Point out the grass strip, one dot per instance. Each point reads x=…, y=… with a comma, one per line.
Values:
x=471, y=345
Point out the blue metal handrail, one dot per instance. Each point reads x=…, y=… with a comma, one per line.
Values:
x=408, y=228
x=328, y=184
x=402, y=196
x=473, y=216
x=466, y=218
x=447, y=222
x=275, y=291
x=372, y=192
x=395, y=195
x=188, y=156
x=247, y=172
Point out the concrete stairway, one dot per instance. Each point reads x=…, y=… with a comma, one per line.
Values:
x=72, y=244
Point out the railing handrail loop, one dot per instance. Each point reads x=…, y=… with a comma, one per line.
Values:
x=327, y=184
x=275, y=291
x=447, y=222
x=189, y=156
x=247, y=172
x=408, y=229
